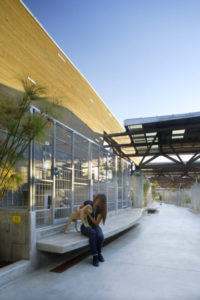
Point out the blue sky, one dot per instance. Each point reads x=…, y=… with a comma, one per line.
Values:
x=142, y=57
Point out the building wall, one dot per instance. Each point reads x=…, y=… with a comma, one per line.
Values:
x=27, y=50
x=65, y=115
x=137, y=181
x=180, y=197
x=149, y=198
x=15, y=234
x=195, y=191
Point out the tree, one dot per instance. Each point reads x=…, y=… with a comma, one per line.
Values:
x=17, y=129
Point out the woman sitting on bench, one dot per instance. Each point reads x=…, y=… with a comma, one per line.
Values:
x=94, y=232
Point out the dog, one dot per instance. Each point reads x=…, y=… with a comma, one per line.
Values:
x=79, y=215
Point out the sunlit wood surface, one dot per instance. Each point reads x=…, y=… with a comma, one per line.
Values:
x=27, y=50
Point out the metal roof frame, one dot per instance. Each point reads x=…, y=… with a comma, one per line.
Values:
x=167, y=136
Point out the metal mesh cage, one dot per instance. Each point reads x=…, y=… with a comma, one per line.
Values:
x=63, y=179
x=65, y=169
x=19, y=198
x=81, y=170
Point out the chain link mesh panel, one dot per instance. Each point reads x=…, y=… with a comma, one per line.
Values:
x=67, y=169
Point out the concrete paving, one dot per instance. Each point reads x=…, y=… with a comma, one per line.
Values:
x=158, y=259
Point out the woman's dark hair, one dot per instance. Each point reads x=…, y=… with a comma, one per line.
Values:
x=102, y=205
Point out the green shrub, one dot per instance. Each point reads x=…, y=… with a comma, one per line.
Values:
x=188, y=200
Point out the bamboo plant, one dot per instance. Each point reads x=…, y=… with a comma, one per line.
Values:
x=17, y=129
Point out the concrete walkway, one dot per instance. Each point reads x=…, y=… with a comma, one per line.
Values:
x=158, y=259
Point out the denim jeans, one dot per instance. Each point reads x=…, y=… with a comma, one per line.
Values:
x=96, y=238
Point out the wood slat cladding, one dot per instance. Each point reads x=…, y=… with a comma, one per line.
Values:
x=27, y=50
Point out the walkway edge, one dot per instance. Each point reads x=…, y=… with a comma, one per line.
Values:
x=13, y=271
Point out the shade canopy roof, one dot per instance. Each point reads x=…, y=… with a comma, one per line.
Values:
x=169, y=136
x=165, y=135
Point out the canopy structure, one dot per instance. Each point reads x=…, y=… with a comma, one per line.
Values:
x=175, y=138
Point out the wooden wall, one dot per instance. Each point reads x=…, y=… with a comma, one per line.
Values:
x=27, y=50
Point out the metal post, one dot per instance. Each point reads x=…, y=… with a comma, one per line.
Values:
x=106, y=178
x=98, y=168
x=122, y=168
x=90, y=171
x=53, y=170
x=73, y=145
x=30, y=171
x=116, y=185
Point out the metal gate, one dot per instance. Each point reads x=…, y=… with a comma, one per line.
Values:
x=67, y=169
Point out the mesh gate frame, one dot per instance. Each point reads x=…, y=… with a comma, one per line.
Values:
x=93, y=179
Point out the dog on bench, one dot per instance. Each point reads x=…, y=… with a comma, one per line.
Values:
x=79, y=215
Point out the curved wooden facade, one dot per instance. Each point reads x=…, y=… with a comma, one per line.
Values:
x=27, y=50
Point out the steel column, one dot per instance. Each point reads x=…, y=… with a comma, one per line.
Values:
x=90, y=171
x=53, y=170
x=73, y=145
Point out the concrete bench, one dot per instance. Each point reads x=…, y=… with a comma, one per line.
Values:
x=62, y=243
x=151, y=207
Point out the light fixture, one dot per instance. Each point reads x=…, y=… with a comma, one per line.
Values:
x=141, y=148
x=139, y=141
x=154, y=146
x=151, y=134
x=138, y=135
x=149, y=140
x=59, y=55
x=179, y=132
x=177, y=136
x=138, y=126
x=30, y=79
